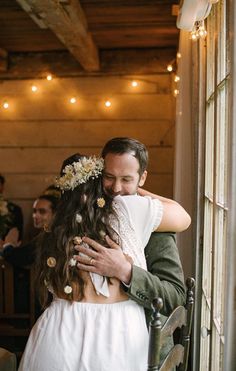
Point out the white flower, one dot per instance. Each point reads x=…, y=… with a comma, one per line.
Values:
x=67, y=289
x=102, y=234
x=72, y=262
x=78, y=218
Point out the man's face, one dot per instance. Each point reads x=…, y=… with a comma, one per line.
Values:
x=121, y=174
x=42, y=213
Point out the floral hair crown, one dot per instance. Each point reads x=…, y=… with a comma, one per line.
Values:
x=80, y=172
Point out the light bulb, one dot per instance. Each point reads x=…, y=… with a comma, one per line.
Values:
x=34, y=88
x=194, y=35
x=177, y=78
x=49, y=77
x=134, y=84
x=169, y=68
x=73, y=100
x=176, y=92
x=178, y=55
x=5, y=105
x=108, y=103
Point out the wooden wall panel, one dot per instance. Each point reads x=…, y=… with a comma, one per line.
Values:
x=147, y=106
x=33, y=160
x=39, y=131
x=82, y=133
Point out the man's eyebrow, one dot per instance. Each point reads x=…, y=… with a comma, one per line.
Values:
x=107, y=173
x=122, y=176
x=40, y=209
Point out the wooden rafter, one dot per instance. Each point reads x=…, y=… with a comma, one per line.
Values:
x=67, y=20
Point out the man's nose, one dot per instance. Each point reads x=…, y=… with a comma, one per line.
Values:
x=116, y=186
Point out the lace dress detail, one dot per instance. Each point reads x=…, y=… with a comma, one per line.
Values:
x=136, y=218
x=129, y=241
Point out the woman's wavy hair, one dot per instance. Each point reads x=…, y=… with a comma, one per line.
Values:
x=58, y=243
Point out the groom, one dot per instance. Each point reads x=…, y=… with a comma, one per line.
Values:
x=125, y=171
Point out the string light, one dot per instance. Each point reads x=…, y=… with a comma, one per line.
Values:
x=73, y=100
x=108, y=104
x=34, y=88
x=170, y=68
x=178, y=55
x=134, y=84
x=176, y=92
x=5, y=105
x=198, y=31
x=177, y=78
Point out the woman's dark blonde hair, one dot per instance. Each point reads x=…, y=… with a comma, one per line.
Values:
x=58, y=243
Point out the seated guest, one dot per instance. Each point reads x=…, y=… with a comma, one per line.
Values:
x=43, y=209
x=13, y=216
x=23, y=256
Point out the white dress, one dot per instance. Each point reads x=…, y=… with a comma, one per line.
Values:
x=82, y=336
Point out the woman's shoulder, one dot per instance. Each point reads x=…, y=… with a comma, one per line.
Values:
x=132, y=199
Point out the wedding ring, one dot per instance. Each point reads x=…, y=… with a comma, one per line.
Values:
x=91, y=261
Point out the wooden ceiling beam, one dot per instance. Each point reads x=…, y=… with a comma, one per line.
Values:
x=113, y=62
x=67, y=20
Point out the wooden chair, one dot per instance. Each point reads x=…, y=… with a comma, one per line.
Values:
x=13, y=324
x=7, y=360
x=178, y=323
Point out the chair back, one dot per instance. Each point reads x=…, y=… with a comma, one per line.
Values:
x=13, y=323
x=7, y=360
x=178, y=323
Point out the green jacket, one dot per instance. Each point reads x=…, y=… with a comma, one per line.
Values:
x=164, y=278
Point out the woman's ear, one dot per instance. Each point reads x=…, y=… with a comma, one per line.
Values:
x=142, y=178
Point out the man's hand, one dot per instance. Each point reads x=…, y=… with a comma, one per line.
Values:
x=109, y=262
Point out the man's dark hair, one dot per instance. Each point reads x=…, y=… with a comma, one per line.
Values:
x=52, y=199
x=121, y=145
x=2, y=179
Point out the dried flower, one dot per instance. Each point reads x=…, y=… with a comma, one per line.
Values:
x=67, y=289
x=102, y=234
x=46, y=228
x=51, y=262
x=80, y=172
x=101, y=202
x=72, y=262
x=78, y=218
x=77, y=240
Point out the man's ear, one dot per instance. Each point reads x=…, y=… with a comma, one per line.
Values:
x=142, y=178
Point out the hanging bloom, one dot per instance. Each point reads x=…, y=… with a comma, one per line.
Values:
x=77, y=240
x=67, y=289
x=101, y=202
x=46, y=228
x=51, y=262
x=102, y=234
x=72, y=262
x=78, y=218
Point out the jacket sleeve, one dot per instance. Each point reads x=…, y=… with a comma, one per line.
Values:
x=19, y=256
x=164, y=278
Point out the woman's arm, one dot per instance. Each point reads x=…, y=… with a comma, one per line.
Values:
x=175, y=217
